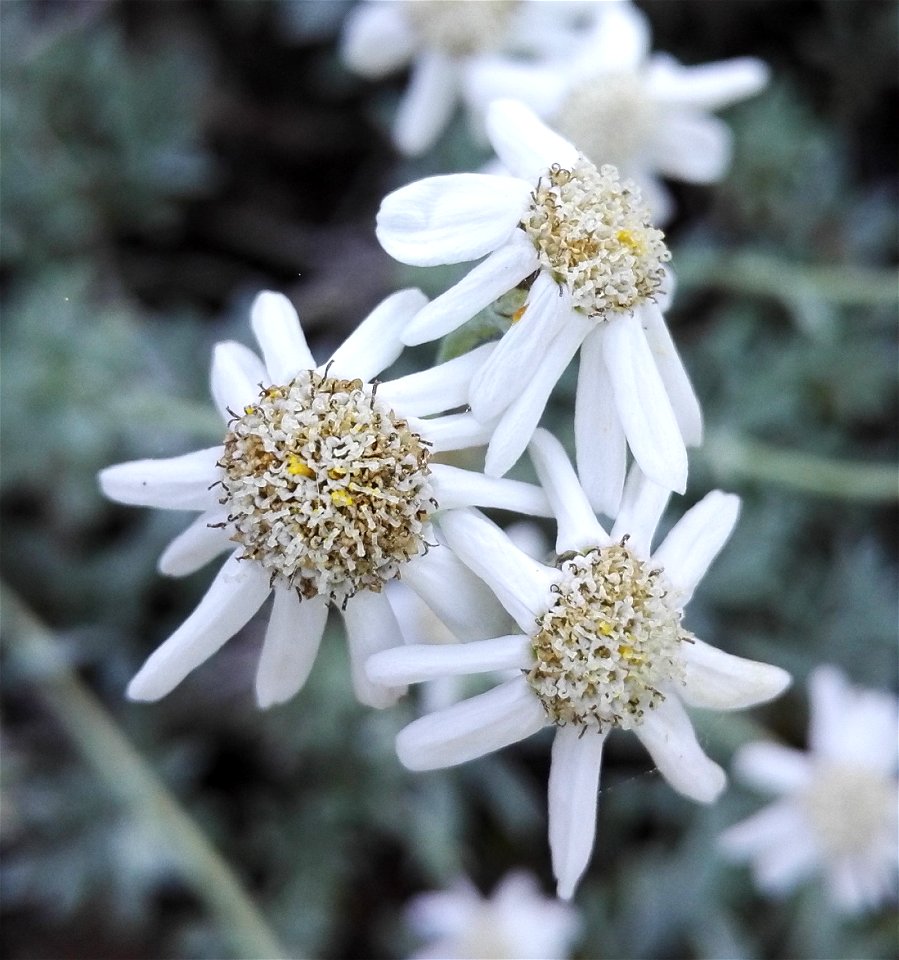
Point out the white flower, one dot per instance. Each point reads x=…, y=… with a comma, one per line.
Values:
x=581, y=242
x=441, y=38
x=517, y=922
x=836, y=811
x=601, y=647
x=325, y=483
x=648, y=115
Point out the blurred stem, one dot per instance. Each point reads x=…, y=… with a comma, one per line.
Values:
x=733, y=458
x=132, y=780
x=758, y=273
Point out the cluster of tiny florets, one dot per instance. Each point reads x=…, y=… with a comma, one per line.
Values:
x=326, y=487
x=609, y=642
x=593, y=233
x=460, y=27
x=609, y=116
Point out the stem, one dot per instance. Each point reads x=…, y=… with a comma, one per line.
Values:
x=758, y=273
x=133, y=782
x=735, y=458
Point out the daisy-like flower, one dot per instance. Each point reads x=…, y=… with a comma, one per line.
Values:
x=517, y=922
x=602, y=647
x=836, y=812
x=325, y=484
x=582, y=244
x=650, y=116
x=441, y=39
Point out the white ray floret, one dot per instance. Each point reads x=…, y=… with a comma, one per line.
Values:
x=579, y=242
x=646, y=114
x=836, y=809
x=327, y=490
x=602, y=647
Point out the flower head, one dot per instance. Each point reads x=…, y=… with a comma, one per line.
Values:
x=325, y=484
x=580, y=244
x=516, y=921
x=602, y=648
x=646, y=114
x=836, y=812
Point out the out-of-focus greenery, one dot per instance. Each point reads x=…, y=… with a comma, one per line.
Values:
x=161, y=163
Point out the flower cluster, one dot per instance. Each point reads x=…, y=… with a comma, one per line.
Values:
x=333, y=488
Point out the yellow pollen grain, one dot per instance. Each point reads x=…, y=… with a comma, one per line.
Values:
x=335, y=473
x=341, y=498
x=249, y=409
x=519, y=313
x=297, y=468
x=628, y=239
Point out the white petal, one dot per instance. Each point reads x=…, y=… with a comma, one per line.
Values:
x=371, y=626
x=709, y=86
x=695, y=540
x=235, y=377
x=516, y=426
x=375, y=344
x=668, y=735
x=430, y=661
x=524, y=143
x=620, y=40
x=785, y=864
x=573, y=797
x=450, y=219
x=598, y=434
x=238, y=591
x=657, y=198
x=427, y=105
x=506, y=714
x=492, y=78
x=292, y=639
x=277, y=328
x=377, y=39
x=175, y=483
x=454, y=487
x=520, y=351
x=642, y=507
x=772, y=768
x=692, y=147
x=498, y=274
x=643, y=405
x=578, y=528
x=438, y=388
x=196, y=546
x=461, y=600
x=677, y=384
x=716, y=680
x=521, y=584
x=456, y=431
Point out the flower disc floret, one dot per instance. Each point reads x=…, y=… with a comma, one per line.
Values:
x=593, y=234
x=609, y=643
x=460, y=28
x=847, y=806
x=326, y=487
x=609, y=116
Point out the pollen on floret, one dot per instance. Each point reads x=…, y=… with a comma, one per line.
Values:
x=326, y=486
x=593, y=234
x=609, y=644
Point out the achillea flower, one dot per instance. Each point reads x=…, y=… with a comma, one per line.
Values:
x=516, y=922
x=326, y=485
x=836, y=812
x=580, y=241
x=647, y=115
x=602, y=647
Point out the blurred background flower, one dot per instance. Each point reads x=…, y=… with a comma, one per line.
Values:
x=162, y=164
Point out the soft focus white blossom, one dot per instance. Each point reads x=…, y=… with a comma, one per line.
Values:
x=325, y=483
x=581, y=244
x=516, y=922
x=650, y=116
x=441, y=39
x=601, y=646
x=836, y=812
